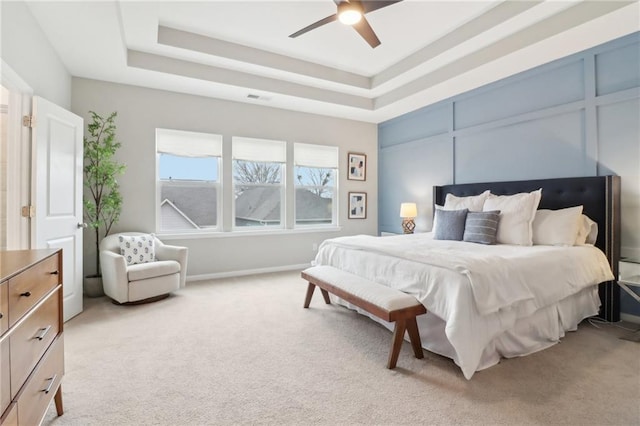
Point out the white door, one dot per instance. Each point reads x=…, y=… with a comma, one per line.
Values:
x=56, y=193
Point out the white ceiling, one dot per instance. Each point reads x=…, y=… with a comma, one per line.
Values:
x=430, y=50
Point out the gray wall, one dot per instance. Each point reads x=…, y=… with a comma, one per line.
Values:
x=29, y=54
x=577, y=116
x=141, y=111
x=30, y=66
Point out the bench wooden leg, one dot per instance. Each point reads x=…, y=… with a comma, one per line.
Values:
x=307, y=299
x=310, y=289
x=325, y=294
x=414, y=337
x=398, y=337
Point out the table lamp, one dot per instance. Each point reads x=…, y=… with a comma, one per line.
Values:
x=407, y=212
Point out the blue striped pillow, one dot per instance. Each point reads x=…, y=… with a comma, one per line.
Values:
x=481, y=227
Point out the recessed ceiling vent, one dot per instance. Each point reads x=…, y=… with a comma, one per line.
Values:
x=258, y=97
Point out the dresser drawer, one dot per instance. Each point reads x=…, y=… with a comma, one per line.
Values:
x=32, y=338
x=5, y=372
x=4, y=307
x=28, y=287
x=39, y=390
x=10, y=418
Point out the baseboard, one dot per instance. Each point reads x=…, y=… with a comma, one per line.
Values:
x=203, y=277
x=630, y=318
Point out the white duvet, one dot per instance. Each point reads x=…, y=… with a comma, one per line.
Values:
x=478, y=291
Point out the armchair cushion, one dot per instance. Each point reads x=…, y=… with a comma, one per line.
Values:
x=143, y=271
x=137, y=248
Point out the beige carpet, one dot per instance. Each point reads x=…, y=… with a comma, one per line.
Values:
x=243, y=350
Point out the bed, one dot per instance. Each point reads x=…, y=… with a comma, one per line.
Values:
x=486, y=302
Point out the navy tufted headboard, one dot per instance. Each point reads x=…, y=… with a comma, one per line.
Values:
x=600, y=196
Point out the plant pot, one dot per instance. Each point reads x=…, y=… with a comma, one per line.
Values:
x=93, y=287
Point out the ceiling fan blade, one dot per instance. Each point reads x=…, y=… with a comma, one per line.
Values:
x=315, y=25
x=364, y=29
x=371, y=5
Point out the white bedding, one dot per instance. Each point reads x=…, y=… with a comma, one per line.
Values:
x=480, y=296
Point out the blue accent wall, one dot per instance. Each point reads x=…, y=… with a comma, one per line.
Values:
x=576, y=116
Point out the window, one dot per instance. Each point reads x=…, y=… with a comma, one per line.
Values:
x=188, y=180
x=315, y=177
x=274, y=184
x=258, y=182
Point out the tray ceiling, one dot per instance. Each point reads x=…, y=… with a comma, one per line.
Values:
x=240, y=50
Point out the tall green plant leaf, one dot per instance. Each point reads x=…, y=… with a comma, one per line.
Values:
x=103, y=203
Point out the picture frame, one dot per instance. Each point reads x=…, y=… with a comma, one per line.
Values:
x=357, y=166
x=357, y=205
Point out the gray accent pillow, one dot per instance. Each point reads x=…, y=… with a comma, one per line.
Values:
x=450, y=224
x=481, y=227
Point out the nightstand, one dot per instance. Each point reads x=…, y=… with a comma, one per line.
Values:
x=629, y=276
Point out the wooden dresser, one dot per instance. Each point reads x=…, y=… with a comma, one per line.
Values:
x=31, y=340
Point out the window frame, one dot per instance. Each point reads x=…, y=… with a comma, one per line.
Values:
x=317, y=156
x=283, y=200
x=334, y=201
x=276, y=158
x=288, y=155
x=219, y=185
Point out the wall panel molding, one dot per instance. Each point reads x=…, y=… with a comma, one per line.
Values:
x=414, y=143
x=590, y=116
x=521, y=118
x=576, y=116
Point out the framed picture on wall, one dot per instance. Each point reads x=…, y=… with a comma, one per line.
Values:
x=357, y=166
x=357, y=205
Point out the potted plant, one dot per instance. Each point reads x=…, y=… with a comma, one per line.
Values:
x=102, y=201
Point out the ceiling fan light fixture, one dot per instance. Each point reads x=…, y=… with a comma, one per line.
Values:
x=349, y=13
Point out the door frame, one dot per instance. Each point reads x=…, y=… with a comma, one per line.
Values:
x=18, y=159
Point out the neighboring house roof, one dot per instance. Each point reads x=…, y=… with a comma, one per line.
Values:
x=173, y=218
x=197, y=201
x=192, y=205
x=312, y=207
x=262, y=204
x=259, y=204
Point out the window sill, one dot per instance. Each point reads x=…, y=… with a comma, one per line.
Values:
x=243, y=233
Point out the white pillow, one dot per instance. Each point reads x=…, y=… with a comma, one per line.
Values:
x=516, y=216
x=137, y=248
x=472, y=203
x=587, y=231
x=557, y=227
x=435, y=216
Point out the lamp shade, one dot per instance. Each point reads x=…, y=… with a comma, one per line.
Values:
x=408, y=210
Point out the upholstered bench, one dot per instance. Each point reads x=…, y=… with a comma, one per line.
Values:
x=381, y=301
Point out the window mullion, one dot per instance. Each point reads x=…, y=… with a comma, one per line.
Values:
x=289, y=196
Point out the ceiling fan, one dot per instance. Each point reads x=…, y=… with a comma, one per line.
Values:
x=352, y=13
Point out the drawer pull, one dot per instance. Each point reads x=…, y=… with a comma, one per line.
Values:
x=52, y=381
x=26, y=294
x=42, y=332
x=1, y=315
x=54, y=273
